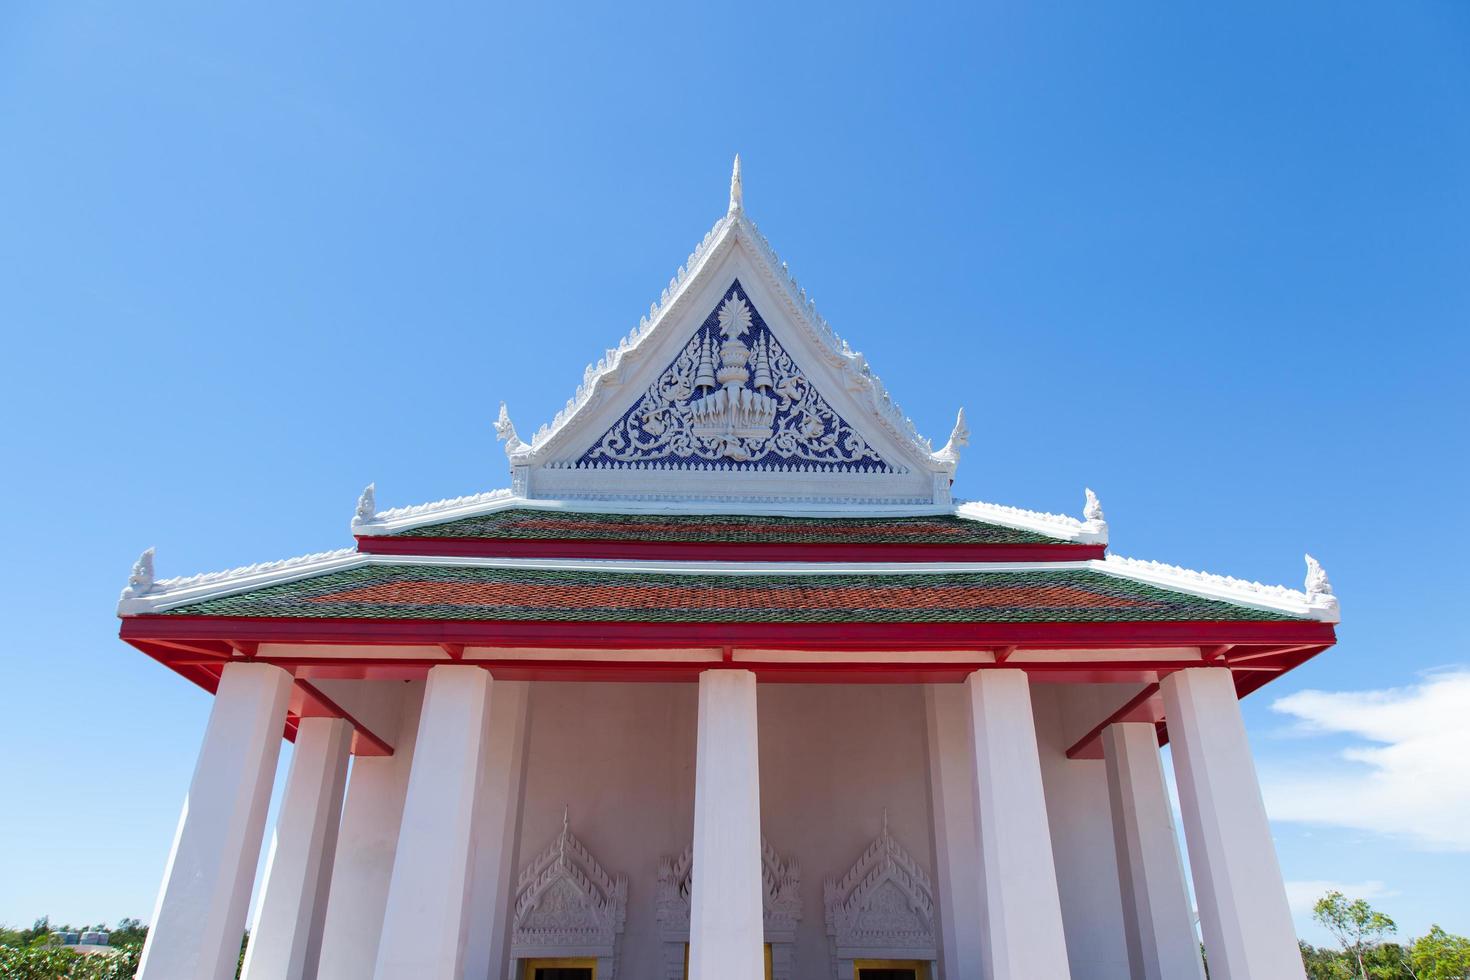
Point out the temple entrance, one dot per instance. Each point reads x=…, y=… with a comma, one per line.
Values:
x=890, y=970
x=767, y=960
x=560, y=968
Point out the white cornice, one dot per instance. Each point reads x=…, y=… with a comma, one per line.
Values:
x=1317, y=605
x=400, y=519
x=166, y=594
x=1055, y=525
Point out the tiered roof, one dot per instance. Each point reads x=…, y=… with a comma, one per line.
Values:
x=731, y=473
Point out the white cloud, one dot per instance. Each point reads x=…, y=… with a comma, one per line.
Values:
x=1304, y=894
x=1408, y=775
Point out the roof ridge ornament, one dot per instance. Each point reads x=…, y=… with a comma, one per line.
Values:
x=1319, y=605
x=1317, y=583
x=367, y=506
x=737, y=190
x=505, y=431
x=959, y=437
x=140, y=579
x=1092, y=512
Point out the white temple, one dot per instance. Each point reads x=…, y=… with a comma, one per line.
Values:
x=724, y=685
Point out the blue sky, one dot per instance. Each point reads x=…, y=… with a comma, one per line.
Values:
x=1209, y=260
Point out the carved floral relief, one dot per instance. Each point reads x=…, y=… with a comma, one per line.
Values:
x=734, y=396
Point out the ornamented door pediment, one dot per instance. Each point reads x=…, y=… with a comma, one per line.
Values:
x=883, y=908
x=567, y=905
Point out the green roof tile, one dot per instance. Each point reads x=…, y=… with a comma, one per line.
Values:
x=525, y=524
x=432, y=592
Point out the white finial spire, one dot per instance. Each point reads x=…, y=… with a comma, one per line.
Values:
x=737, y=195
x=367, y=505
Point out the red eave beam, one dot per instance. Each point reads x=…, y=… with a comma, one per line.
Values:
x=364, y=742
x=781, y=636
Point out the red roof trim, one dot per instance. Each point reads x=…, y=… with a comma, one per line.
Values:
x=723, y=550
x=785, y=636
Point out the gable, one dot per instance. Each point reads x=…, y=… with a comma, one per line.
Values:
x=734, y=398
x=734, y=391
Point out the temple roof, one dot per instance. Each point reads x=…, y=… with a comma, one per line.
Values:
x=450, y=592
x=523, y=523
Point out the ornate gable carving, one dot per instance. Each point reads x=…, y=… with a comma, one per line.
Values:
x=733, y=398
x=566, y=904
x=882, y=907
x=780, y=897
x=733, y=390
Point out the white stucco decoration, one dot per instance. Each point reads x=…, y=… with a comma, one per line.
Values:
x=367, y=506
x=1317, y=584
x=734, y=250
x=737, y=191
x=567, y=905
x=883, y=908
x=1092, y=514
x=140, y=579
x=780, y=898
x=959, y=437
x=1321, y=606
x=505, y=431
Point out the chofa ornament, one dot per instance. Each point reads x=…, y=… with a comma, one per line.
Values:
x=734, y=395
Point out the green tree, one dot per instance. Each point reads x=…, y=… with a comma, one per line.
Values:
x=1356, y=925
x=1440, y=955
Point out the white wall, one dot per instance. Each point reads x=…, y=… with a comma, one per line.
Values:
x=1082, y=827
x=622, y=757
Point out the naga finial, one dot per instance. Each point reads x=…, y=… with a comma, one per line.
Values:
x=140, y=579
x=1317, y=583
x=737, y=192
x=367, y=505
x=505, y=431
x=959, y=437
x=1092, y=510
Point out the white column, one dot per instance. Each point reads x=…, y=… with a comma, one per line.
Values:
x=726, y=932
x=425, y=923
x=285, y=941
x=1021, y=925
x=366, y=843
x=952, y=788
x=1157, y=922
x=1237, y=881
x=487, y=947
x=199, y=919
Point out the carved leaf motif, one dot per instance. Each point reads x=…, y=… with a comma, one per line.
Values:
x=671, y=421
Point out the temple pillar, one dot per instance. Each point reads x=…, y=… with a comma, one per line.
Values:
x=199, y=918
x=285, y=941
x=1158, y=924
x=1021, y=914
x=427, y=915
x=366, y=844
x=1244, y=914
x=952, y=792
x=726, y=928
x=487, y=948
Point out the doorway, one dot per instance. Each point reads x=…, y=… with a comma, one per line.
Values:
x=560, y=968
x=890, y=970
